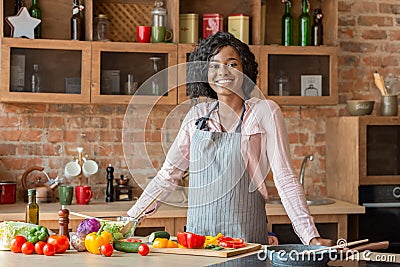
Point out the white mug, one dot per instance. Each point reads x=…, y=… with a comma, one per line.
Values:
x=89, y=168
x=72, y=169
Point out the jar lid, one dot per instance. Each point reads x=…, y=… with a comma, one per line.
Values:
x=102, y=16
x=238, y=15
x=31, y=192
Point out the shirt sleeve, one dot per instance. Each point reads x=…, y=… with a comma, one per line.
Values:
x=174, y=166
x=286, y=181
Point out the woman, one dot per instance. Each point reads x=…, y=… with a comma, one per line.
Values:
x=223, y=144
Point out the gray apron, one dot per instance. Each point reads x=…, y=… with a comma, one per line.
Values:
x=219, y=200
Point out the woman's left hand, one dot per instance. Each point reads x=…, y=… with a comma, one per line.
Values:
x=319, y=241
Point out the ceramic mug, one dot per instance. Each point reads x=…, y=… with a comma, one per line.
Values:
x=89, y=168
x=160, y=34
x=143, y=34
x=83, y=194
x=72, y=169
x=65, y=194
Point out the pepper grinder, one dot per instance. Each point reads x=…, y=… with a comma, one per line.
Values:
x=110, y=187
x=63, y=220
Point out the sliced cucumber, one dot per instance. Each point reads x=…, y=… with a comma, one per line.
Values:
x=158, y=234
x=124, y=246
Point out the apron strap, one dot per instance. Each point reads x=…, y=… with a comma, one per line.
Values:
x=202, y=122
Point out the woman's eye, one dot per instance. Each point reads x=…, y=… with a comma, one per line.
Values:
x=231, y=65
x=213, y=66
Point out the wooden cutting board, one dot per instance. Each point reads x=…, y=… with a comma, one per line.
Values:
x=225, y=253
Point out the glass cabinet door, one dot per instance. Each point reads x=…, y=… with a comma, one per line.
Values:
x=44, y=71
x=299, y=75
x=125, y=72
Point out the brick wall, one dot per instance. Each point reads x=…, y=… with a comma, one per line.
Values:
x=48, y=135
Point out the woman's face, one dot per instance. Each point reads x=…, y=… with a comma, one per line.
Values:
x=225, y=72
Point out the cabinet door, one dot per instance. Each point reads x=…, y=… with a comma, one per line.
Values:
x=63, y=70
x=113, y=62
x=297, y=75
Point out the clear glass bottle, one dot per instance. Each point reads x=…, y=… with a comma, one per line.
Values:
x=77, y=32
x=287, y=25
x=305, y=24
x=155, y=85
x=317, y=32
x=35, y=79
x=32, y=208
x=18, y=5
x=101, y=28
x=35, y=12
x=311, y=91
x=159, y=13
x=282, y=82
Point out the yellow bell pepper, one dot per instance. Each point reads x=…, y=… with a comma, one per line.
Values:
x=95, y=240
x=164, y=243
x=212, y=240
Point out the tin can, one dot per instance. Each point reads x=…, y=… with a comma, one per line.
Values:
x=188, y=28
x=238, y=25
x=212, y=23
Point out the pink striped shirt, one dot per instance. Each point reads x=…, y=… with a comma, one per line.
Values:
x=265, y=147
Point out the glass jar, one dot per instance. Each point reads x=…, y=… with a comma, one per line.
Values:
x=101, y=28
x=159, y=13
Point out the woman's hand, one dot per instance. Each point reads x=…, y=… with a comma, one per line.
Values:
x=319, y=241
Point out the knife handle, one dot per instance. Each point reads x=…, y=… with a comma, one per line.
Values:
x=372, y=246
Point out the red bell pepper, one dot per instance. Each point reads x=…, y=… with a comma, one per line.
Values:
x=229, y=242
x=190, y=240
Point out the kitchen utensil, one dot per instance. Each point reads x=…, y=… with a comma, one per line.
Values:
x=360, y=107
x=8, y=192
x=225, y=253
x=337, y=246
x=295, y=254
x=130, y=227
x=379, y=82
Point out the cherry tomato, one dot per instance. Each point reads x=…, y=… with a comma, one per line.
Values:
x=143, y=249
x=106, y=250
x=49, y=250
x=16, y=243
x=39, y=247
x=27, y=248
x=60, y=242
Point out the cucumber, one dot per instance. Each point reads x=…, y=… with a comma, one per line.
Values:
x=124, y=246
x=158, y=234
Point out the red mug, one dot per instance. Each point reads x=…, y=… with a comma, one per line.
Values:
x=83, y=194
x=143, y=34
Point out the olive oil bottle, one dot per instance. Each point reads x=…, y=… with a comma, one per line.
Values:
x=32, y=208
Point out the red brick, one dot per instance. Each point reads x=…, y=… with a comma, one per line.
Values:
x=71, y=136
x=358, y=47
x=389, y=8
x=51, y=150
x=32, y=135
x=7, y=149
x=9, y=122
x=375, y=21
x=347, y=21
x=344, y=6
x=363, y=7
x=35, y=122
x=55, y=122
x=55, y=136
x=374, y=35
x=12, y=135
x=29, y=149
x=346, y=33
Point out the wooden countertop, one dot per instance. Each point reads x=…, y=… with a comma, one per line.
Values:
x=48, y=211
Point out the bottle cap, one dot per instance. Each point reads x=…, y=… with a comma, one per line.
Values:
x=31, y=192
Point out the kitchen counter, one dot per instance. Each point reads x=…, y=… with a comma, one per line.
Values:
x=119, y=259
x=174, y=218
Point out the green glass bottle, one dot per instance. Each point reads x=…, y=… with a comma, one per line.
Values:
x=32, y=208
x=305, y=24
x=35, y=12
x=287, y=25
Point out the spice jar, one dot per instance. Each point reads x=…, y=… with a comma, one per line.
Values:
x=159, y=13
x=238, y=25
x=101, y=28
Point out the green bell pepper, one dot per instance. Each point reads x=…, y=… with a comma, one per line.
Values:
x=39, y=233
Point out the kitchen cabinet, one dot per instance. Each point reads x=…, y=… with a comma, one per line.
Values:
x=361, y=151
x=264, y=30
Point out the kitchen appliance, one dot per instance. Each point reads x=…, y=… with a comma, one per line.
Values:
x=382, y=214
x=8, y=192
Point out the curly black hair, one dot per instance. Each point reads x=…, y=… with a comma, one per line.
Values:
x=196, y=76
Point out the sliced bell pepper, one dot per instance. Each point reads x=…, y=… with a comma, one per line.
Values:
x=95, y=240
x=191, y=240
x=229, y=242
x=212, y=240
x=164, y=243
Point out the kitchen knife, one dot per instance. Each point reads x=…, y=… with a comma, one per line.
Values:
x=130, y=227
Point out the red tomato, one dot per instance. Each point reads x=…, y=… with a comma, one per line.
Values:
x=27, y=248
x=106, y=250
x=60, y=242
x=49, y=250
x=143, y=249
x=39, y=247
x=16, y=243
